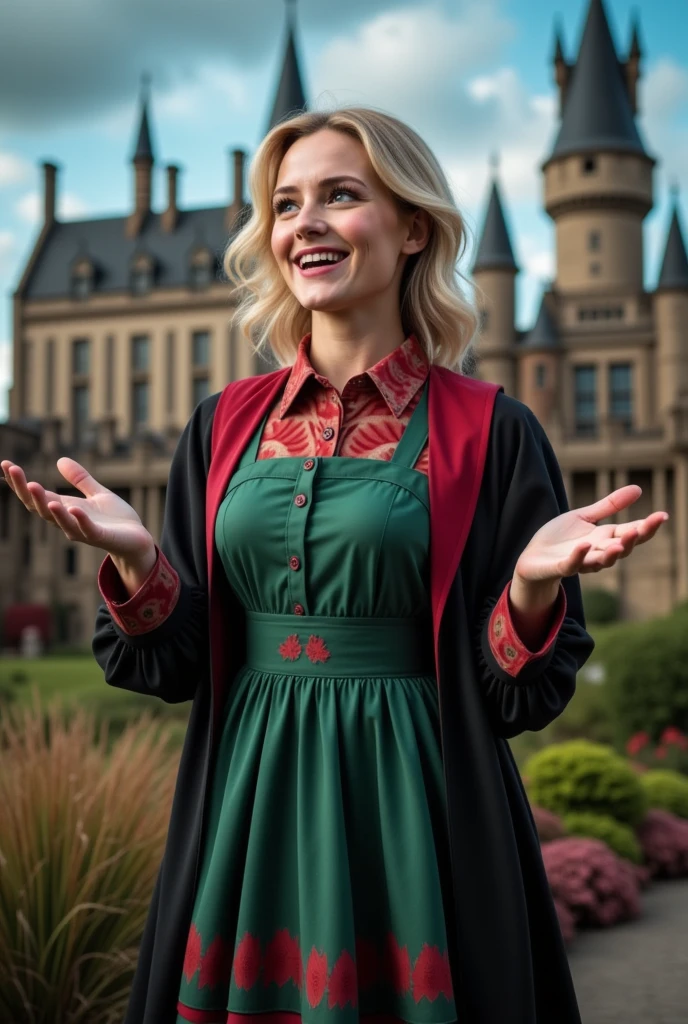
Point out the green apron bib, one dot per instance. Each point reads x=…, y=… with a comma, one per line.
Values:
x=324, y=885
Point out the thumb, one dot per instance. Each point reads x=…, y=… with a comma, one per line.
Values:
x=79, y=477
x=621, y=498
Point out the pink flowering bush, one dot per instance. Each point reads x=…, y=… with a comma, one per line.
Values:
x=548, y=824
x=597, y=887
x=663, y=838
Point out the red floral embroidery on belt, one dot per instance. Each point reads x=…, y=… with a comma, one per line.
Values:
x=290, y=649
x=316, y=649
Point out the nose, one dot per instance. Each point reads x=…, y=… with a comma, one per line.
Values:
x=308, y=221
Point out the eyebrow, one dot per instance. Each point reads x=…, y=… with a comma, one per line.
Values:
x=325, y=181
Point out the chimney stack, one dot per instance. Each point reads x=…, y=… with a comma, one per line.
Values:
x=237, y=204
x=49, y=192
x=171, y=214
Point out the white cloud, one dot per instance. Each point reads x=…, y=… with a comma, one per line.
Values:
x=13, y=169
x=30, y=207
x=8, y=242
x=665, y=89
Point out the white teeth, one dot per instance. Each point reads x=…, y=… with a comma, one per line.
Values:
x=321, y=257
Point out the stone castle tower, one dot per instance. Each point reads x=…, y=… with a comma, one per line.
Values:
x=605, y=366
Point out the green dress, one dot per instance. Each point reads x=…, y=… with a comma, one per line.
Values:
x=325, y=882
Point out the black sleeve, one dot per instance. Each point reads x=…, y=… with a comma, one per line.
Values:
x=522, y=489
x=169, y=660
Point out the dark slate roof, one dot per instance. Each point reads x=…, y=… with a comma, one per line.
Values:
x=597, y=112
x=290, y=98
x=494, y=250
x=144, y=147
x=674, y=272
x=544, y=333
x=106, y=244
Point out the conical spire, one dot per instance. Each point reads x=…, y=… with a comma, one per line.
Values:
x=290, y=98
x=558, y=43
x=674, y=271
x=144, y=149
x=597, y=113
x=494, y=250
x=544, y=333
x=635, y=50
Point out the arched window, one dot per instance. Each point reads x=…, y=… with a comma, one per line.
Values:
x=201, y=269
x=141, y=273
x=83, y=278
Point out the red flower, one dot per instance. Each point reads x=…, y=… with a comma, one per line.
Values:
x=216, y=965
x=192, y=958
x=316, y=649
x=636, y=743
x=661, y=752
x=247, y=962
x=343, y=987
x=367, y=963
x=282, y=960
x=316, y=976
x=397, y=965
x=290, y=649
x=672, y=735
x=431, y=974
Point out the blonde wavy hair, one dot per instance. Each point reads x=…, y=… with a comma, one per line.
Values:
x=432, y=303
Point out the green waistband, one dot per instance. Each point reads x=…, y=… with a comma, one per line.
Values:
x=321, y=645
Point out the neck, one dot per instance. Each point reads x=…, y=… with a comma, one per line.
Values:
x=345, y=345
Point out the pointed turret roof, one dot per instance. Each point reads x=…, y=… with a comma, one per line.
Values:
x=289, y=98
x=635, y=50
x=597, y=113
x=558, y=42
x=674, y=271
x=144, y=148
x=494, y=249
x=544, y=333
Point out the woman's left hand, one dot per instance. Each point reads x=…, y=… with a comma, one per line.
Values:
x=574, y=543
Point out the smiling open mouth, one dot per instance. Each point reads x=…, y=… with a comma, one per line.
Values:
x=320, y=263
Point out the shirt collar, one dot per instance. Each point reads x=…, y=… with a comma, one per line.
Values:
x=397, y=376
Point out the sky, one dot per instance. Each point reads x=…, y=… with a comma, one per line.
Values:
x=473, y=77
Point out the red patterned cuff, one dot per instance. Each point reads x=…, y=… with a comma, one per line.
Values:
x=152, y=603
x=509, y=651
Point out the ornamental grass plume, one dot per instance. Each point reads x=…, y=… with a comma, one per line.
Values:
x=81, y=838
x=599, y=888
x=663, y=838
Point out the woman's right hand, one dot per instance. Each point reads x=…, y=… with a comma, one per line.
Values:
x=101, y=519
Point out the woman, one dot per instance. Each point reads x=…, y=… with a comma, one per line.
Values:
x=367, y=581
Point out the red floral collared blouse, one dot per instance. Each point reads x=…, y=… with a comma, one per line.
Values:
x=312, y=418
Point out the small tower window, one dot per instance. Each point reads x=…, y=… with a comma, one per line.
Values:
x=594, y=269
x=141, y=274
x=589, y=165
x=540, y=375
x=83, y=274
x=70, y=561
x=201, y=269
x=594, y=241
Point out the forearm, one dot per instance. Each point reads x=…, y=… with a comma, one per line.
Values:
x=531, y=606
x=134, y=571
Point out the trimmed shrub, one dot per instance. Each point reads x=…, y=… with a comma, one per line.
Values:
x=618, y=837
x=549, y=825
x=666, y=790
x=647, y=676
x=596, y=886
x=584, y=776
x=664, y=841
x=82, y=838
x=600, y=606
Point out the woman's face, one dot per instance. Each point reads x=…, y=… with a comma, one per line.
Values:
x=328, y=198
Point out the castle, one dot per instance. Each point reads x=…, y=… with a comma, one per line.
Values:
x=121, y=327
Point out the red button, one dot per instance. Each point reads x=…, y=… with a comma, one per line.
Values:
x=299, y=609
x=328, y=433
x=300, y=500
x=308, y=464
x=294, y=562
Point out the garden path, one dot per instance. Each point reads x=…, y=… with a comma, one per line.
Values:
x=637, y=972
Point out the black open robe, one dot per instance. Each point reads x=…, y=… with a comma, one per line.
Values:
x=494, y=480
